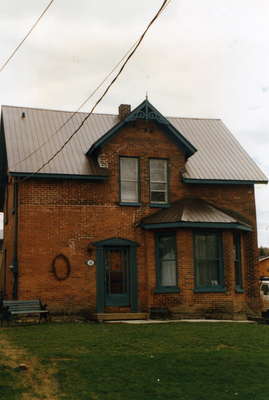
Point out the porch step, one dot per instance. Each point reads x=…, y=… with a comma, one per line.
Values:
x=119, y=316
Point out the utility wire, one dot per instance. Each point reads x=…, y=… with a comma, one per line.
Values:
x=77, y=110
x=25, y=37
x=164, y=4
x=83, y=103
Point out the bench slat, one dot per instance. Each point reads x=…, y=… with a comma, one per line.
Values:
x=29, y=312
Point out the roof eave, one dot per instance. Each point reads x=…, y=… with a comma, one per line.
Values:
x=223, y=181
x=203, y=225
x=58, y=176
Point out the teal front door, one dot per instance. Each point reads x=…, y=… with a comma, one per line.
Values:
x=117, y=276
x=116, y=280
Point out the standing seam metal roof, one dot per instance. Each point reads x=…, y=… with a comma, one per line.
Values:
x=219, y=156
x=193, y=210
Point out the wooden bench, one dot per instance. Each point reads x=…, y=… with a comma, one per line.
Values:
x=12, y=308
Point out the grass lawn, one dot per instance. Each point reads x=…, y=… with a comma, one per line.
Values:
x=186, y=361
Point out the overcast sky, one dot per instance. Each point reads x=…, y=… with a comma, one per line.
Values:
x=202, y=59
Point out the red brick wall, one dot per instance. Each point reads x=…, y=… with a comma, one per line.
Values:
x=64, y=217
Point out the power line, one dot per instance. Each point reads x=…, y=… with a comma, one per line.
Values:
x=77, y=110
x=83, y=103
x=25, y=37
x=163, y=6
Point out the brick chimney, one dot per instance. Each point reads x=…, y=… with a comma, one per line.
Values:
x=124, y=110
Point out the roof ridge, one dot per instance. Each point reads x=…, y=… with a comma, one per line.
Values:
x=85, y=112
x=55, y=110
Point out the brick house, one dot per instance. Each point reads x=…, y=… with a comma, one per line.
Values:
x=137, y=212
x=263, y=266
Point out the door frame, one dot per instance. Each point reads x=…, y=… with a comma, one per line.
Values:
x=100, y=271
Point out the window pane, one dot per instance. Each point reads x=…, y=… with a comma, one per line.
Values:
x=168, y=273
x=207, y=259
x=208, y=274
x=129, y=179
x=128, y=169
x=158, y=197
x=158, y=181
x=206, y=246
x=129, y=191
x=155, y=187
x=167, y=260
x=167, y=248
x=158, y=170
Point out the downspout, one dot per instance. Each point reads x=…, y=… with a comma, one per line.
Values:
x=15, y=264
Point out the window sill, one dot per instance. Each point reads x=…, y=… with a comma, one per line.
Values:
x=129, y=204
x=210, y=289
x=166, y=290
x=239, y=290
x=159, y=205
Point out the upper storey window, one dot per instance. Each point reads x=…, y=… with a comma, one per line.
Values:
x=158, y=181
x=129, y=192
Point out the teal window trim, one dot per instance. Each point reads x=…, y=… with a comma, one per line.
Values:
x=168, y=289
x=238, y=262
x=131, y=203
x=219, y=260
x=213, y=289
x=239, y=290
x=160, y=203
x=159, y=287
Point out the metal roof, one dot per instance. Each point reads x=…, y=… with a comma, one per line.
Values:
x=219, y=156
x=193, y=210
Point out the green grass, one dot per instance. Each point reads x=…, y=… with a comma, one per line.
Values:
x=187, y=361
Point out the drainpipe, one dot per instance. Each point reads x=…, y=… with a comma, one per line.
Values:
x=15, y=264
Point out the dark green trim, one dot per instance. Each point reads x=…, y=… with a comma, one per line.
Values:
x=146, y=111
x=220, y=263
x=115, y=242
x=59, y=176
x=221, y=181
x=203, y=225
x=159, y=205
x=238, y=261
x=159, y=287
x=100, y=279
x=170, y=289
x=212, y=289
x=130, y=204
x=239, y=290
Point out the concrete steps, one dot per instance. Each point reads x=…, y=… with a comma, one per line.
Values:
x=120, y=316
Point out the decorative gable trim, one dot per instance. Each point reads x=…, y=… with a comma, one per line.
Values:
x=147, y=111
